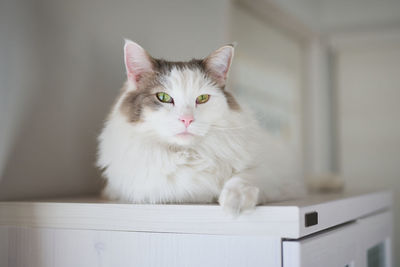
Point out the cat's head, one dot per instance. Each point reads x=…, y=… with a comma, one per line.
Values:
x=177, y=102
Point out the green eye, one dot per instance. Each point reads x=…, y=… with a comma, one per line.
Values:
x=164, y=97
x=201, y=99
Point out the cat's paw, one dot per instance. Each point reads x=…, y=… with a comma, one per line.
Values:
x=238, y=195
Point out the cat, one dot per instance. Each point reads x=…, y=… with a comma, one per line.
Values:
x=177, y=134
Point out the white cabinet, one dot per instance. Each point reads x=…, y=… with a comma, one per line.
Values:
x=364, y=242
x=46, y=247
x=331, y=230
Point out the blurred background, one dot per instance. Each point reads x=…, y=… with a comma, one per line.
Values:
x=324, y=75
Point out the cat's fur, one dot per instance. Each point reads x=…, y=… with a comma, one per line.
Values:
x=147, y=157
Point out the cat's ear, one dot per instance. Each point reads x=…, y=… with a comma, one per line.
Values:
x=219, y=62
x=137, y=61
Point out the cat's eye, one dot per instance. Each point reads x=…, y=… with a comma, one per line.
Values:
x=164, y=97
x=201, y=99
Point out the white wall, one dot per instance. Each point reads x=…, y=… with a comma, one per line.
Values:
x=267, y=74
x=368, y=92
x=63, y=68
x=327, y=16
x=18, y=69
x=365, y=38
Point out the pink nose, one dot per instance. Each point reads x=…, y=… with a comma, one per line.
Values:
x=186, y=119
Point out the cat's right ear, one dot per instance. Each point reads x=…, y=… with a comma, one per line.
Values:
x=137, y=61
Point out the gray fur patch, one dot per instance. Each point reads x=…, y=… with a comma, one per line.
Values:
x=134, y=101
x=232, y=103
x=144, y=96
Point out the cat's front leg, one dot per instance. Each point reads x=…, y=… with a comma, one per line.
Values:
x=238, y=195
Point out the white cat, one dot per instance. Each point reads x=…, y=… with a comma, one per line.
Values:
x=177, y=135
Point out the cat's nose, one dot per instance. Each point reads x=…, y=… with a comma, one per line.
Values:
x=186, y=119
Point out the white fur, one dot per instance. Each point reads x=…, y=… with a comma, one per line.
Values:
x=228, y=158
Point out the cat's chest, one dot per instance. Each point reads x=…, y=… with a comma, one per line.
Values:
x=145, y=164
x=184, y=162
x=188, y=158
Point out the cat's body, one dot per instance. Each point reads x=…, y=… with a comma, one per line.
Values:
x=176, y=135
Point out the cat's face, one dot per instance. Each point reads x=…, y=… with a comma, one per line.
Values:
x=177, y=102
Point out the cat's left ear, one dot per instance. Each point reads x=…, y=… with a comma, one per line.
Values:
x=137, y=61
x=219, y=62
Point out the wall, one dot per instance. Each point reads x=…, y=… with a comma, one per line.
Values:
x=368, y=94
x=327, y=17
x=17, y=70
x=64, y=67
x=267, y=75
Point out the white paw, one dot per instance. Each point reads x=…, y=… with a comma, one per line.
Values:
x=238, y=195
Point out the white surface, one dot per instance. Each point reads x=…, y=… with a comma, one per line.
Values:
x=331, y=249
x=344, y=245
x=89, y=232
x=368, y=117
x=285, y=219
x=36, y=247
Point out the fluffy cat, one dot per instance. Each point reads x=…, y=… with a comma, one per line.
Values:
x=176, y=134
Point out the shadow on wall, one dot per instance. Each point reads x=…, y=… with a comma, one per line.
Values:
x=54, y=151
